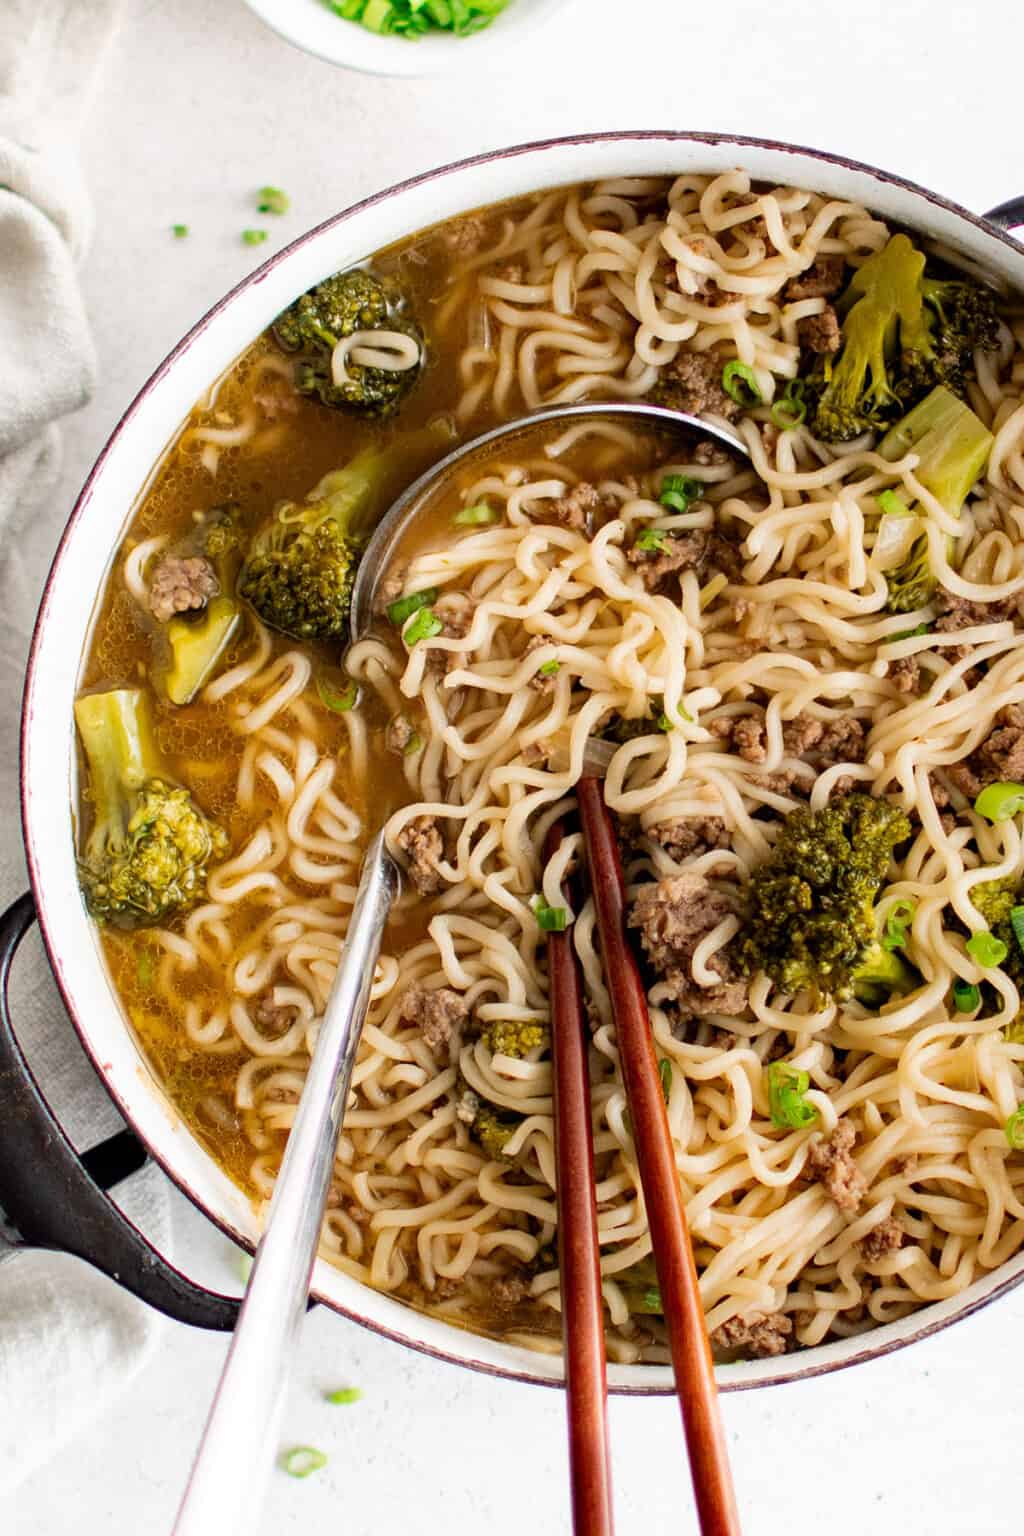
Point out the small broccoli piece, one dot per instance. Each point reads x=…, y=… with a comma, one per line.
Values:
x=812, y=921
x=300, y=568
x=336, y=308
x=882, y=974
x=513, y=1037
x=902, y=334
x=197, y=646
x=911, y=583
x=146, y=857
x=223, y=535
x=493, y=1130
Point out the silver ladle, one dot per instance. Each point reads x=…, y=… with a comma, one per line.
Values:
x=237, y=1447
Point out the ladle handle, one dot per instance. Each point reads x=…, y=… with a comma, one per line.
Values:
x=238, y=1442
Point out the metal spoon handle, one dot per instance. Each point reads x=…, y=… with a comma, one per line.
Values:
x=236, y=1450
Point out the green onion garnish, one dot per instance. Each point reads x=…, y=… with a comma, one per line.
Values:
x=179, y=231
x=272, y=200
x=665, y=1073
x=551, y=919
x=986, y=949
x=907, y=634
x=410, y=19
x=1017, y=924
x=740, y=383
x=405, y=607
x=664, y=723
x=677, y=491
x=1000, y=802
x=424, y=626
x=966, y=996
x=791, y=408
x=344, y=1395
x=549, y=668
x=900, y=915
x=652, y=1300
x=652, y=539
x=144, y=968
x=892, y=505
x=474, y=516
x=340, y=701
x=301, y=1460
x=413, y=745
x=1014, y=1129
x=253, y=236
x=786, y=1088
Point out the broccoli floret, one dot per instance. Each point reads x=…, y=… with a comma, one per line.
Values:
x=812, y=921
x=301, y=567
x=493, y=1130
x=513, y=1037
x=902, y=334
x=911, y=584
x=147, y=854
x=197, y=646
x=336, y=308
x=882, y=974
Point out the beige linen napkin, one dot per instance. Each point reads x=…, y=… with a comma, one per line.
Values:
x=69, y=1338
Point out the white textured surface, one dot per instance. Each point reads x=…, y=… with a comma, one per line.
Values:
x=201, y=105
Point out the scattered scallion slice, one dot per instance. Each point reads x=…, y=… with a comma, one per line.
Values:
x=549, y=669
x=652, y=1299
x=301, y=1460
x=791, y=408
x=410, y=19
x=1000, y=802
x=475, y=516
x=651, y=540
x=413, y=745
x=272, y=200
x=551, y=919
x=254, y=236
x=786, y=1088
x=966, y=996
x=424, y=626
x=344, y=1395
x=907, y=634
x=338, y=700
x=986, y=949
x=664, y=723
x=665, y=1073
x=677, y=492
x=1017, y=924
x=899, y=917
x=1014, y=1129
x=179, y=231
x=404, y=607
x=740, y=383
x=892, y=505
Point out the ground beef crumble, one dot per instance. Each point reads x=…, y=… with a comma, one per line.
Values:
x=999, y=757
x=540, y=682
x=881, y=1240
x=438, y=1013
x=699, y=549
x=683, y=836
x=181, y=585
x=828, y=741
x=420, y=840
x=829, y=1160
x=399, y=734
x=575, y=509
x=820, y=281
x=905, y=672
x=760, y=1335
x=673, y=916
x=509, y=1290
x=820, y=333
x=695, y=382
x=276, y=1018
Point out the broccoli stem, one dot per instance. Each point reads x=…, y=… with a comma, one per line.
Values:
x=197, y=647
x=117, y=734
x=953, y=445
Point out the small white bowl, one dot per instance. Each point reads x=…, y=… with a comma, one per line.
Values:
x=312, y=25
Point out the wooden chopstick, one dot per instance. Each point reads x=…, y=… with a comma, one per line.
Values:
x=578, y=1252
x=670, y=1237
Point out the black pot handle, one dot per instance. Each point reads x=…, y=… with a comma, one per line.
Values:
x=56, y=1199
x=1008, y=216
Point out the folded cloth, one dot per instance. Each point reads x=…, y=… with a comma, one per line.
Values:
x=69, y=1338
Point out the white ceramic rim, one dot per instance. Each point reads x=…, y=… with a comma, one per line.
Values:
x=84, y=555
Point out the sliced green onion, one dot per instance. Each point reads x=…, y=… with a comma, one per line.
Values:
x=272, y=200
x=179, y=231
x=740, y=383
x=549, y=669
x=907, y=634
x=966, y=996
x=144, y=968
x=652, y=1300
x=344, y=1395
x=651, y=540
x=1017, y=924
x=254, y=236
x=413, y=745
x=301, y=1460
x=786, y=1088
x=664, y=723
x=665, y=1073
x=677, y=492
x=338, y=701
x=476, y=515
x=900, y=915
x=986, y=949
x=1014, y=1129
x=424, y=626
x=892, y=505
x=791, y=409
x=405, y=607
x=1000, y=802
x=551, y=919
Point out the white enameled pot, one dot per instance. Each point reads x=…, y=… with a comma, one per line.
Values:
x=80, y=569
